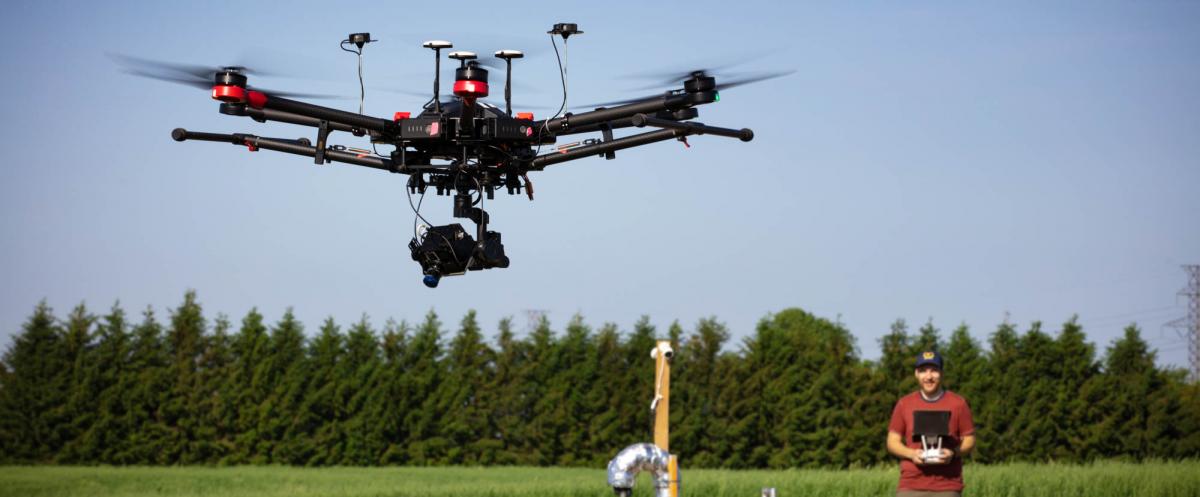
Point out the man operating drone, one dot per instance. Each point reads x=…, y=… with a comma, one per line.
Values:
x=930, y=431
x=463, y=147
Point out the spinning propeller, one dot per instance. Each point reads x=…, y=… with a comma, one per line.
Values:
x=669, y=81
x=198, y=76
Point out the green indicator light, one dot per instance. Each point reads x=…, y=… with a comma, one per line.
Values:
x=718, y=97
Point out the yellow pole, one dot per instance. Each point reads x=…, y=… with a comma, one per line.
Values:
x=662, y=395
x=673, y=470
x=662, y=408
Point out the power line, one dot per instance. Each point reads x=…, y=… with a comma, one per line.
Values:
x=1156, y=313
x=1188, y=326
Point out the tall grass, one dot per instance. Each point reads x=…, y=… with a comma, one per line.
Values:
x=1104, y=479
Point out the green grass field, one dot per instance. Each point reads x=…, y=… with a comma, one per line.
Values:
x=1100, y=480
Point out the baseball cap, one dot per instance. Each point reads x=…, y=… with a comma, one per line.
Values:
x=929, y=357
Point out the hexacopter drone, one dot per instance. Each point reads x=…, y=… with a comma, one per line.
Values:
x=464, y=147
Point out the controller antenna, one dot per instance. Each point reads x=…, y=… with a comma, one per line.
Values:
x=437, y=46
x=508, y=56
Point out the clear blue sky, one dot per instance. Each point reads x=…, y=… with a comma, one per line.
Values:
x=959, y=162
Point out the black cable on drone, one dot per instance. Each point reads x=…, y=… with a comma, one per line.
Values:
x=416, y=232
x=362, y=89
x=562, y=76
x=359, y=40
x=417, y=210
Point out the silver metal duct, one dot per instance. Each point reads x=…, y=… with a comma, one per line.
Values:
x=623, y=469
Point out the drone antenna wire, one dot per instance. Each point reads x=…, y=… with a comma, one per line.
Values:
x=417, y=211
x=362, y=89
x=565, y=77
x=562, y=75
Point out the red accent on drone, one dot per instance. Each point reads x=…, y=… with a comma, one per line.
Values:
x=467, y=88
x=525, y=115
x=229, y=93
x=400, y=116
x=257, y=99
x=250, y=146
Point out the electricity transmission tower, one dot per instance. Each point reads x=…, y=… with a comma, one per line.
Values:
x=533, y=318
x=1188, y=326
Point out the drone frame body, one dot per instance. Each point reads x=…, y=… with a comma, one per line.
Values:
x=464, y=147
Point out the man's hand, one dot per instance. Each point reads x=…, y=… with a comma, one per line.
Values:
x=895, y=446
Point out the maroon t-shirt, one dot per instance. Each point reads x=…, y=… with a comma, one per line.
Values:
x=938, y=477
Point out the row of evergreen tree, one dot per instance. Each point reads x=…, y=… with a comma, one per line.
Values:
x=99, y=389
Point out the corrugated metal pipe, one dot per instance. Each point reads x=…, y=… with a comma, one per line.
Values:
x=623, y=469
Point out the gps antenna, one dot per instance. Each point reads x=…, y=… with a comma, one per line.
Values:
x=437, y=46
x=359, y=39
x=462, y=56
x=565, y=29
x=508, y=56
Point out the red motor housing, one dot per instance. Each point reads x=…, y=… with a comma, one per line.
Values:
x=471, y=81
x=229, y=93
x=470, y=89
x=229, y=85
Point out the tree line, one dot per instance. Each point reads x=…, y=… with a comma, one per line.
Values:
x=104, y=389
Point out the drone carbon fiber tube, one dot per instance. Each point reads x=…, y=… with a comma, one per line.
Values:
x=540, y=162
x=625, y=122
x=327, y=114
x=288, y=117
x=283, y=145
x=180, y=134
x=642, y=120
x=565, y=124
x=310, y=151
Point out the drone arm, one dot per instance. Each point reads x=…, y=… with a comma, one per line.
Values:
x=264, y=101
x=263, y=115
x=625, y=122
x=292, y=147
x=180, y=134
x=671, y=129
x=540, y=162
x=642, y=120
x=298, y=147
x=565, y=124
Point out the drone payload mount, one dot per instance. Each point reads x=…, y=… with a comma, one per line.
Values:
x=465, y=147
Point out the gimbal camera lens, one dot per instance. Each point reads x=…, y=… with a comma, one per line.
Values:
x=431, y=280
